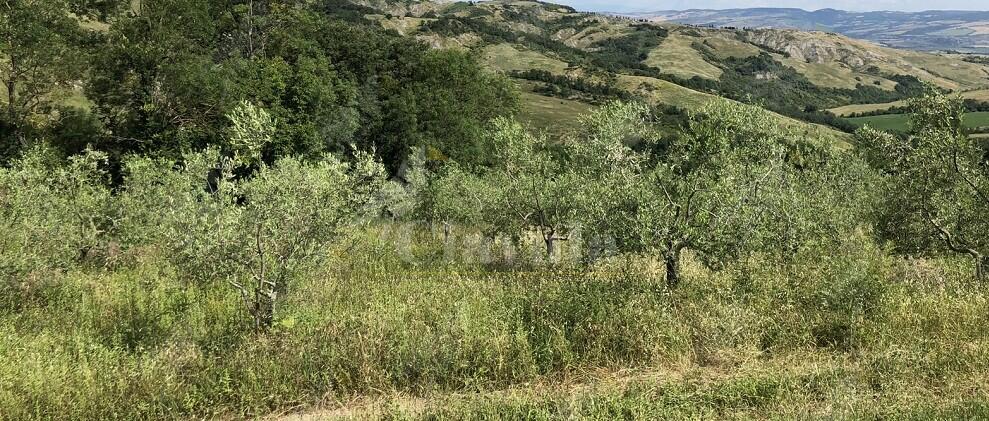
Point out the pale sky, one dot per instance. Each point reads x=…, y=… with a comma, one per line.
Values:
x=853, y=5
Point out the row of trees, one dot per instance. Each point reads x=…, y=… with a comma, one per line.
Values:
x=230, y=219
x=731, y=184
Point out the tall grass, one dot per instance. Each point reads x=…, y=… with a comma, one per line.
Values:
x=141, y=342
x=113, y=308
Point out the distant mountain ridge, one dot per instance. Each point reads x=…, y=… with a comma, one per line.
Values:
x=936, y=30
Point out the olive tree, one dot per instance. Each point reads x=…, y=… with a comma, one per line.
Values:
x=537, y=189
x=458, y=196
x=684, y=193
x=611, y=171
x=528, y=188
x=254, y=232
x=819, y=200
x=405, y=197
x=937, y=182
x=701, y=192
x=186, y=209
x=52, y=213
x=734, y=181
x=292, y=211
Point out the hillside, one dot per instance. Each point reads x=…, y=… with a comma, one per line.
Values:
x=585, y=57
x=864, y=59
x=935, y=30
x=404, y=210
x=977, y=95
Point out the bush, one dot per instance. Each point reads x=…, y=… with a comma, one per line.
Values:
x=53, y=214
x=254, y=232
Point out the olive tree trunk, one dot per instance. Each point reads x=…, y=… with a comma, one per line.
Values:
x=12, y=92
x=671, y=258
x=550, y=238
x=981, y=267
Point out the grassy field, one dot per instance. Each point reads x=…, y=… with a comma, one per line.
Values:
x=946, y=72
x=724, y=47
x=891, y=122
x=210, y=286
x=659, y=91
x=980, y=119
x=677, y=56
x=831, y=75
x=900, y=122
x=865, y=108
x=603, y=30
x=800, y=386
x=506, y=58
x=394, y=327
x=966, y=75
x=553, y=115
x=664, y=92
x=978, y=95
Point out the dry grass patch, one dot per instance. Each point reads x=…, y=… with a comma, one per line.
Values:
x=507, y=57
x=978, y=95
x=676, y=55
x=554, y=115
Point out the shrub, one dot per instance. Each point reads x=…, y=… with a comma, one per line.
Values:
x=256, y=232
x=52, y=214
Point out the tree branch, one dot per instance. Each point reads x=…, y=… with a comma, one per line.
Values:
x=978, y=191
x=950, y=240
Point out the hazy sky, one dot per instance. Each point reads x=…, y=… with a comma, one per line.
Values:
x=856, y=5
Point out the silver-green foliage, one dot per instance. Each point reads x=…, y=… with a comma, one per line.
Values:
x=187, y=210
x=254, y=233
x=251, y=128
x=406, y=197
x=51, y=214
x=528, y=189
x=734, y=182
x=214, y=226
x=937, y=182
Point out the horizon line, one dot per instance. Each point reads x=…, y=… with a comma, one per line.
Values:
x=794, y=8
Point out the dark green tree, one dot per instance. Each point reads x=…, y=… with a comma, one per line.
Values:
x=171, y=70
x=40, y=58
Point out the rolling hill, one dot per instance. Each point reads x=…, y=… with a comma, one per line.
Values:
x=558, y=52
x=937, y=30
x=566, y=60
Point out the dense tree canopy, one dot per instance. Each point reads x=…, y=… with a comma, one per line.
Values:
x=41, y=55
x=164, y=75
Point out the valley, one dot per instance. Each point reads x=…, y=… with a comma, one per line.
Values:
x=509, y=209
x=798, y=74
x=933, y=30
